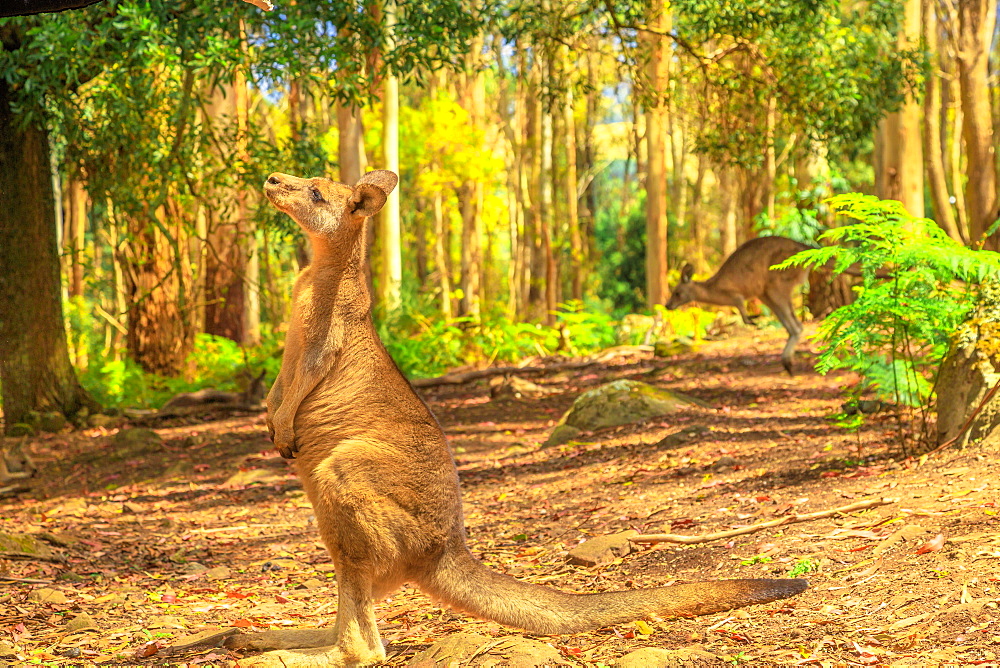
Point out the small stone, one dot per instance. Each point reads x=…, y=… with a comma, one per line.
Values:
x=724, y=461
x=20, y=429
x=194, y=567
x=82, y=622
x=654, y=657
x=52, y=422
x=603, y=549
x=311, y=583
x=70, y=576
x=99, y=420
x=71, y=652
x=47, y=595
x=218, y=573
x=135, y=438
x=563, y=433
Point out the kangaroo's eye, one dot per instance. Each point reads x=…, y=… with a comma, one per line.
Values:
x=316, y=195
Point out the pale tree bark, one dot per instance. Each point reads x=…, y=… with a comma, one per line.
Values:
x=391, y=269
x=933, y=146
x=698, y=230
x=351, y=152
x=900, y=171
x=656, y=127
x=728, y=189
x=578, y=266
x=548, y=215
x=976, y=20
x=76, y=218
x=472, y=95
x=535, y=212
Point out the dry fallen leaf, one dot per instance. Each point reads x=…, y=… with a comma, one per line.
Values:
x=933, y=545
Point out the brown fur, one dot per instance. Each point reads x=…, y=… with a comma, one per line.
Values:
x=376, y=467
x=747, y=274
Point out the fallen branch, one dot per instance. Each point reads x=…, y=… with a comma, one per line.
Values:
x=7, y=578
x=28, y=556
x=458, y=378
x=466, y=376
x=788, y=519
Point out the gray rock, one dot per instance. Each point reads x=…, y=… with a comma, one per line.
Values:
x=103, y=421
x=19, y=429
x=81, y=622
x=654, y=657
x=52, y=422
x=24, y=544
x=603, y=549
x=47, y=595
x=671, y=347
x=455, y=648
x=136, y=438
x=562, y=433
x=623, y=402
x=724, y=461
x=476, y=650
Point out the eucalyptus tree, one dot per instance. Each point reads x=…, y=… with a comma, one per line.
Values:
x=117, y=89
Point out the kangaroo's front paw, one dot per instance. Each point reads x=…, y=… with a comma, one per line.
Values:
x=283, y=437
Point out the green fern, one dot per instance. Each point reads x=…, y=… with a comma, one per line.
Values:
x=899, y=329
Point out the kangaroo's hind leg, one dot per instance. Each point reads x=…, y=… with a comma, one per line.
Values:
x=780, y=302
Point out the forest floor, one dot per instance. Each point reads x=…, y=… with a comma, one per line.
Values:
x=210, y=528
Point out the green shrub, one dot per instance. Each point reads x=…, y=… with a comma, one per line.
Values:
x=898, y=331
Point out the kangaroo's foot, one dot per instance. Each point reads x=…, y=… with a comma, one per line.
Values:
x=304, y=648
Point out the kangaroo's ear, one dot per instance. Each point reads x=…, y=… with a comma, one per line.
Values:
x=383, y=178
x=366, y=200
x=686, y=273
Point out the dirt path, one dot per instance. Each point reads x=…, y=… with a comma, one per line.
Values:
x=210, y=529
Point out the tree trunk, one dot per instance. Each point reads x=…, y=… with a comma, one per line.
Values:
x=472, y=95
x=656, y=171
x=728, y=240
x=230, y=234
x=160, y=317
x=578, y=266
x=75, y=239
x=35, y=370
x=933, y=146
x=900, y=172
x=391, y=269
x=976, y=20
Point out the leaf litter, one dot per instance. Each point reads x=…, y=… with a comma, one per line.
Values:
x=168, y=552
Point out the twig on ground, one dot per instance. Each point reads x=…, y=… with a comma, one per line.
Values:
x=788, y=519
x=7, y=578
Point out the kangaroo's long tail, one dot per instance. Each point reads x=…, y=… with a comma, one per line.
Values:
x=464, y=583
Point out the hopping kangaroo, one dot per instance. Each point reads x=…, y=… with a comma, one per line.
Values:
x=747, y=274
x=378, y=472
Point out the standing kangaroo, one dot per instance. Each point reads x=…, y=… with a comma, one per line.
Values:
x=747, y=274
x=378, y=472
